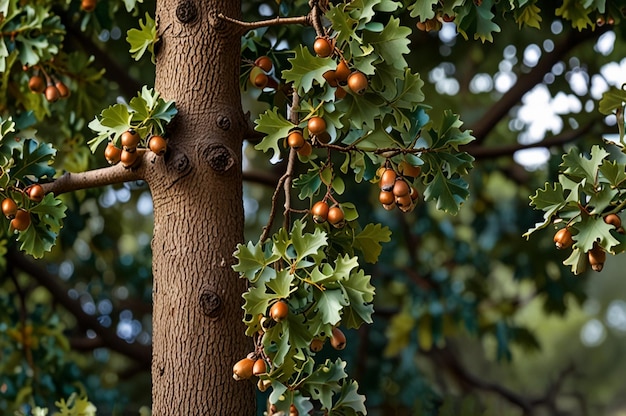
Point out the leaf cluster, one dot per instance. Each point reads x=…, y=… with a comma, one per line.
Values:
x=322, y=293
x=24, y=161
x=388, y=123
x=30, y=32
x=147, y=114
x=589, y=188
x=478, y=19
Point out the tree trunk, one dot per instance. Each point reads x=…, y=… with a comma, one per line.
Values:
x=198, y=216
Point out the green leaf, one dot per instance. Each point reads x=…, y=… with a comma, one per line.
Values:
x=252, y=262
x=344, y=266
x=577, y=261
x=423, y=9
x=360, y=294
x=113, y=121
x=601, y=199
x=275, y=127
x=576, y=12
x=306, y=68
x=35, y=161
x=142, y=40
x=308, y=183
x=151, y=113
x=46, y=222
x=361, y=111
x=448, y=192
x=612, y=100
x=577, y=166
x=328, y=305
x=376, y=139
x=323, y=276
x=50, y=212
x=592, y=229
x=342, y=23
x=36, y=239
x=369, y=239
x=551, y=200
x=306, y=244
x=281, y=284
x=449, y=133
x=325, y=381
x=409, y=91
x=477, y=20
x=286, y=337
x=391, y=43
x=349, y=398
x=529, y=15
x=613, y=172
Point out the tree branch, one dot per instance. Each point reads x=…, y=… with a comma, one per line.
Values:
x=445, y=357
x=526, y=82
x=277, y=21
x=98, y=177
x=482, y=152
x=108, y=336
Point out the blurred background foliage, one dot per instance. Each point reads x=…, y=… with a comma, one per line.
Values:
x=471, y=319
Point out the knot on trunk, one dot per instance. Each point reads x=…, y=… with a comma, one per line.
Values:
x=219, y=157
x=210, y=303
x=186, y=11
x=223, y=122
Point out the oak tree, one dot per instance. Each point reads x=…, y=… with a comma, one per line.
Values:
x=336, y=108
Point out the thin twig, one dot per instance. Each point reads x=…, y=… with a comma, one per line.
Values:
x=285, y=180
x=293, y=155
x=270, y=221
x=316, y=19
x=277, y=21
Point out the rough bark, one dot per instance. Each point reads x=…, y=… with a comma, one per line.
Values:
x=198, y=216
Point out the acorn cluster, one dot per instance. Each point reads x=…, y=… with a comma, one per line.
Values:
x=396, y=189
x=257, y=363
x=128, y=155
x=50, y=86
x=322, y=212
x=434, y=23
x=20, y=217
x=316, y=129
x=596, y=256
x=261, y=73
x=342, y=76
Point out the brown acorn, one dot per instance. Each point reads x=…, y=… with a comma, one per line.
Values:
x=260, y=367
x=357, y=82
x=597, y=257
x=243, y=369
x=320, y=212
x=388, y=180
x=9, y=208
x=52, y=93
x=279, y=311
x=614, y=220
x=338, y=339
x=563, y=238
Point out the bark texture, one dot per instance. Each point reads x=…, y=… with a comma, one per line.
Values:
x=198, y=213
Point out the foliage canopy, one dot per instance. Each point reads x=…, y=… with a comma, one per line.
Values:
x=419, y=159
